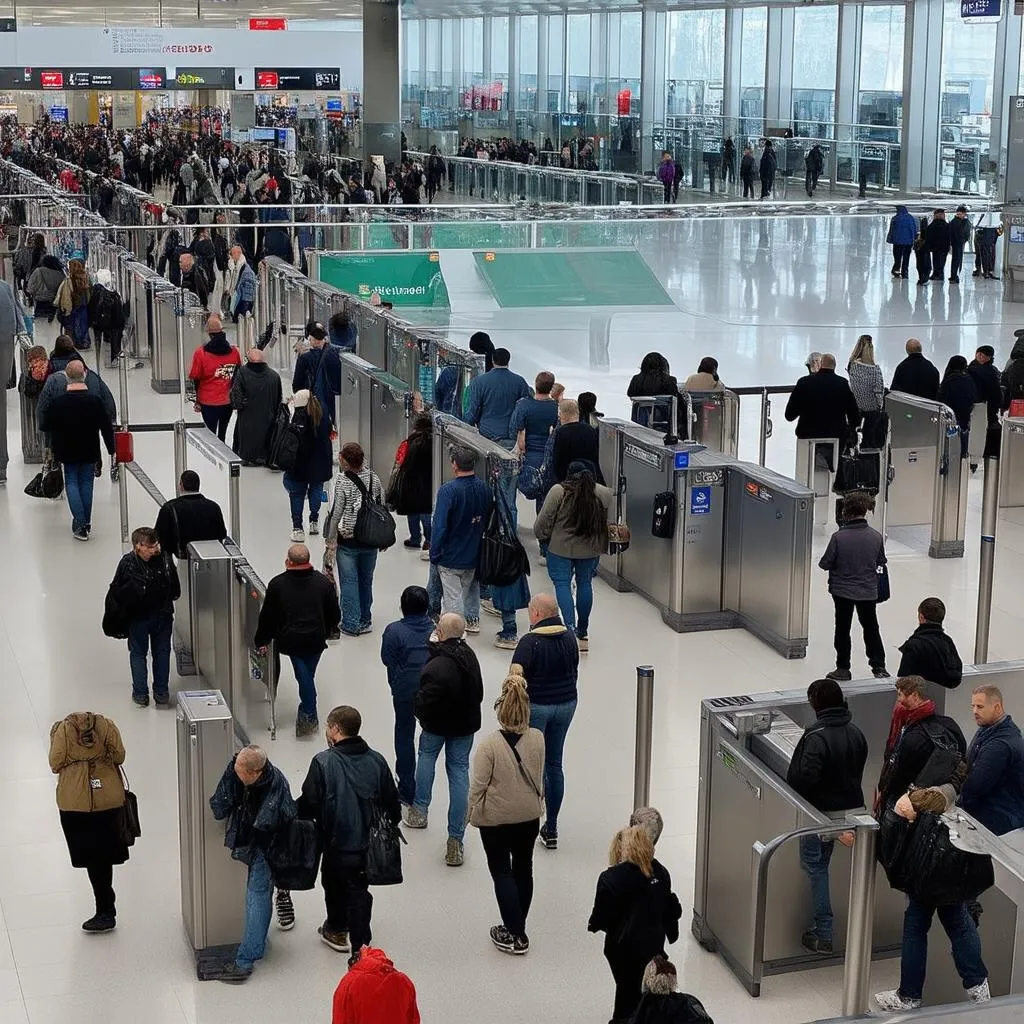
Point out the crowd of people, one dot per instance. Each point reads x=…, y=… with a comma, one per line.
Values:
x=933, y=241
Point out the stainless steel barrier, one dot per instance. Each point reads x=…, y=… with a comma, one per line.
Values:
x=927, y=476
x=1011, y=463
x=661, y=413
x=141, y=287
x=178, y=323
x=817, y=460
x=977, y=434
x=496, y=464
x=715, y=420
x=33, y=441
x=224, y=485
x=463, y=365
x=354, y=402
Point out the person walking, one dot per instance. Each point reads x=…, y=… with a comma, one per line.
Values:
x=827, y=770
x=86, y=754
x=460, y=514
x=107, y=316
x=575, y=441
x=988, y=384
x=72, y=302
x=635, y=907
x=854, y=554
x=548, y=657
x=346, y=786
x=901, y=235
x=667, y=174
x=75, y=422
x=193, y=278
x=929, y=651
x=506, y=796
x=959, y=235
x=823, y=405
x=748, y=167
x=191, y=516
x=447, y=705
x=240, y=283
x=299, y=613
x=916, y=375
x=255, y=798
x=256, y=397
x=318, y=370
x=411, y=488
x=42, y=287
x=11, y=323
x=210, y=378
x=814, y=164
x=492, y=399
x=533, y=420
x=767, y=168
x=356, y=561
x=307, y=479
x=574, y=523
x=144, y=589
x=866, y=381
x=938, y=240
x=959, y=392
x=404, y=651
x=922, y=254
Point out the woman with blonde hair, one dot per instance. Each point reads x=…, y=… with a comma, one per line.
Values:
x=636, y=909
x=866, y=381
x=506, y=796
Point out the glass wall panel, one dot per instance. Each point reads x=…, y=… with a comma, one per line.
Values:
x=499, y=50
x=578, y=53
x=472, y=31
x=696, y=63
x=526, y=58
x=815, y=46
x=556, y=62
x=412, y=81
x=753, y=52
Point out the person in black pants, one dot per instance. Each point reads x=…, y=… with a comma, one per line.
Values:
x=959, y=236
x=505, y=803
x=938, y=238
x=747, y=169
x=853, y=556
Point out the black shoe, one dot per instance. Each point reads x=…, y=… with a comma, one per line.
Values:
x=503, y=939
x=840, y=675
x=881, y=673
x=410, y=543
x=305, y=727
x=100, y=923
x=335, y=634
x=231, y=973
x=549, y=840
x=80, y=533
x=161, y=700
x=954, y=280
x=141, y=700
x=813, y=944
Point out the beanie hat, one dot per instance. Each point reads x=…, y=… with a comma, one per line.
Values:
x=316, y=330
x=301, y=398
x=987, y=350
x=660, y=976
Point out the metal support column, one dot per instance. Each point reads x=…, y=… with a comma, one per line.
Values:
x=644, y=735
x=1004, y=85
x=857, y=975
x=122, y=387
x=851, y=22
x=122, y=498
x=382, y=81
x=653, y=59
x=179, y=334
x=778, y=73
x=989, y=515
x=732, y=78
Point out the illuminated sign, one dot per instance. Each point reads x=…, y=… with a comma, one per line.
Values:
x=51, y=79
x=268, y=24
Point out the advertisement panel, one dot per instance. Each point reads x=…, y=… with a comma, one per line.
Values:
x=298, y=78
x=401, y=278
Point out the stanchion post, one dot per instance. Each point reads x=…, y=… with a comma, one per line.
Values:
x=180, y=455
x=122, y=497
x=644, y=733
x=179, y=333
x=860, y=925
x=762, y=445
x=989, y=515
x=122, y=387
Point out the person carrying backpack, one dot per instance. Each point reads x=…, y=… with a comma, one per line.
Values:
x=106, y=314
x=306, y=461
x=353, y=534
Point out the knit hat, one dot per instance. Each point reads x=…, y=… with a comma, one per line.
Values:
x=314, y=329
x=986, y=350
x=660, y=976
x=301, y=398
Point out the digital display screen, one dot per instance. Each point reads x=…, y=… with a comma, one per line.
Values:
x=151, y=78
x=263, y=134
x=333, y=104
x=1017, y=234
x=266, y=79
x=51, y=79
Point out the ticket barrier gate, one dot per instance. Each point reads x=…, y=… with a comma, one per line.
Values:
x=466, y=364
x=978, y=434
x=323, y=301
x=174, y=310
x=354, y=402
x=281, y=309
x=731, y=538
x=747, y=819
x=141, y=287
x=496, y=465
x=1011, y=463
x=927, y=483
x=715, y=420
x=816, y=462
x=661, y=413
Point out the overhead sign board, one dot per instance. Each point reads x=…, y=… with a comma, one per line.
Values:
x=202, y=78
x=297, y=79
x=268, y=24
x=97, y=78
x=972, y=10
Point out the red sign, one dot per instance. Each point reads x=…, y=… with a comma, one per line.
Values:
x=266, y=79
x=268, y=24
x=51, y=79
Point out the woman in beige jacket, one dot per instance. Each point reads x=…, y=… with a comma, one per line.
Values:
x=506, y=796
x=85, y=753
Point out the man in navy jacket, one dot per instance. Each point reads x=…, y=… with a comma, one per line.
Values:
x=994, y=790
x=492, y=399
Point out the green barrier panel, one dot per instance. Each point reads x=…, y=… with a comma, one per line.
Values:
x=388, y=236
x=570, y=277
x=492, y=235
x=401, y=278
x=588, y=234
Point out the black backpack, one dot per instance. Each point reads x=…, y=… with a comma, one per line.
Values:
x=375, y=525
x=284, y=451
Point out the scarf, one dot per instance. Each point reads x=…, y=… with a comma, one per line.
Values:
x=902, y=717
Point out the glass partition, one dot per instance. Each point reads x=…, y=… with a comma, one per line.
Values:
x=526, y=57
x=815, y=46
x=753, y=53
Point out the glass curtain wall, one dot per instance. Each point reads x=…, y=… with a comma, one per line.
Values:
x=753, y=53
x=815, y=46
x=526, y=59
x=412, y=79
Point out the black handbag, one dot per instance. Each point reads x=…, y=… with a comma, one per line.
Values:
x=503, y=559
x=858, y=471
x=384, y=852
x=52, y=484
x=884, y=593
x=294, y=856
x=130, y=823
x=874, y=431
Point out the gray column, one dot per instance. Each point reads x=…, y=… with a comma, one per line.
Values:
x=653, y=60
x=1004, y=83
x=512, y=99
x=382, y=81
x=733, y=56
x=542, y=68
x=778, y=71
x=851, y=28
x=922, y=96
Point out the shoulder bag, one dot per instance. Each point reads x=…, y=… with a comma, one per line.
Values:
x=884, y=592
x=503, y=559
x=384, y=852
x=522, y=770
x=130, y=824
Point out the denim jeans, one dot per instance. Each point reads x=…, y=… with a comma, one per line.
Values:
x=405, y=748
x=419, y=528
x=815, y=855
x=963, y=937
x=298, y=491
x=150, y=633
x=456, y=764
x=460, y=592
x=553, y=720
x=304, y=666
x=79, y=478
x=509, y=629
x=259, y=910
x=561, y=570
x=434, y=591
x=355, y=576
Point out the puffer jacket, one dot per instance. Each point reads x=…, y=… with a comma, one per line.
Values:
x=85, y=751
x=46, y=280
x=451, y=690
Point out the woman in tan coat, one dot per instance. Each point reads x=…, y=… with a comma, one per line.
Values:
x=506, y=796
x=85, y=752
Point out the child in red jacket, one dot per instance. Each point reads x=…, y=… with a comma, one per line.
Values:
x=373, y=992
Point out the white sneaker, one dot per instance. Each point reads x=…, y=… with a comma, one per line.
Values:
x=314, y=528
x=979, y=993
x=298, y=536
x=894, y=1002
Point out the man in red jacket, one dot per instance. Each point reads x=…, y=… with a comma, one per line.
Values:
x=373, y=992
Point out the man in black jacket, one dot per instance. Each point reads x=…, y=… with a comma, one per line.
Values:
x=959, y=235
x=826, y=770
x=189, y=517
x=257, y=801
x=298, y=614
x=447, y=705
x=193, y=278
x=345, y=786
x=145, y=586
x=823, y=404
x=938, y=240
x=987, y=382
x=930, y=652
x=916, y=375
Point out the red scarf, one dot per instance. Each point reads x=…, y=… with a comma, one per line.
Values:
x=902, y=717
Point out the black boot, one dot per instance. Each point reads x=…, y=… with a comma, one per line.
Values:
x=101, y=921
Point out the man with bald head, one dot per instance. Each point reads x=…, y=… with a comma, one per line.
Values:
x=298, y=614
x=194, y=278
x=916, y=375
x=240, y=283
x=256, y=399
x=256, y=800
x=823, y=405
x=549, y=657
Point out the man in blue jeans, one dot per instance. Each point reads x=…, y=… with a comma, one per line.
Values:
x=255, y=798
x=826, y=770
x=549, y=657
x=298, y=614
x=447, y=705
x=144, y=589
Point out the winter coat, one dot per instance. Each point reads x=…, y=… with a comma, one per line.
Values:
x=670, y=1008
x=867, y=385
x=828, y=764
x=930, y=653
x=1013, y=382
x=85, y=752
x=213, y=369
x=256, y=396
x=244, y=287
x=823, y=406
x=667, y=172
x=460, y=514
x=255, y=813
x=988, y=383
x=553, y=525
x=500, y=792
x=702, y=382
x=415, y=464
x=959, y=393
x=994, y=790
x=404, y=650
x=451, y=690
x=188, y=518
x=550, y=658
x=46, y=280
x=747, y=166
x=314, y=463
x=298, y=614
x=902, y=227
x=324, y=380
x=852, y=557
x=373, y=992
x=937, y=235
x=637, y=914
x=916, y=375
x=959, y=232
x=146, y=587
x=57, y=384
x=769, y=164
x=909, y=757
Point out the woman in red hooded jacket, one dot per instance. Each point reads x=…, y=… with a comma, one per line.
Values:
x=373, y=992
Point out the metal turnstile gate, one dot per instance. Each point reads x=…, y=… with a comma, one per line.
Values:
x=1011, y=463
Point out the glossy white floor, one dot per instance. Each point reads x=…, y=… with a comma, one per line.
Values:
x=815, y=285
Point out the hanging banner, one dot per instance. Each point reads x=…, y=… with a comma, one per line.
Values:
x=401, y=278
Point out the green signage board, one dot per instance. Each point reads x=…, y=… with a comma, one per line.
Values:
x=401, y=278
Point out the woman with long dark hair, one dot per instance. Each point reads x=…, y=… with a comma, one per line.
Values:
x=411, y=490
x=574, y=523
x=654, y=378
x=314, y=463
x=957, y=390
